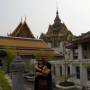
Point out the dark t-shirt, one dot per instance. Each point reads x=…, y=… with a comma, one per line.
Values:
x=49, y=77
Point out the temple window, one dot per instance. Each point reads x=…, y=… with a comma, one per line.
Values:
x=54, y=72
x=75, y=53
x=77, y=72
x=88, y=73
x=60, y=70
x=68, y=70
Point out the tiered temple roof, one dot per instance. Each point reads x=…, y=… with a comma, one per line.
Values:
x=22, y=30
x=25, y=46
x=57, y=32
x=24, y=41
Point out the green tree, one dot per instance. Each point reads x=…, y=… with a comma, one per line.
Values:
x=41, y=53
x=29, y=66
x=4, y=83
x=66, y=63
x=10, y=55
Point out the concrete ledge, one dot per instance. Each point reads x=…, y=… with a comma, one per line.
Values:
x=67, y=87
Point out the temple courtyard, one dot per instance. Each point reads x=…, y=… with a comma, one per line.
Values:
x=30, y=86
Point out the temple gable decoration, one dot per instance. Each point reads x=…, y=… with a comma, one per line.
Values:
x=22, y=30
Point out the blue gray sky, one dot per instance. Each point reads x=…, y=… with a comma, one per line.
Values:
x=40, y=13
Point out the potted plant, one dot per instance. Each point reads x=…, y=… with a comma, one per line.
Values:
x=65, y=84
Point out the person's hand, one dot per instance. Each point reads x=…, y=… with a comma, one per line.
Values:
x=37, y=68
x=45, y=67
x=38, y=74
x=45, y=70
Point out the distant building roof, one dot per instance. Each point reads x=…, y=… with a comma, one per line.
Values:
x=22, y=30
x=84, y=38
x=25, y=46
x=57, y=33
x=22, y=42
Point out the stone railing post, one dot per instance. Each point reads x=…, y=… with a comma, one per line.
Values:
x=17, y=69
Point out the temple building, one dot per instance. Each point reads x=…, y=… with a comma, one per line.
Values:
x=23, y=39
x=57, y=34
x=25, y=44
x=22, y=30
x=80, y=60
x=56, y=37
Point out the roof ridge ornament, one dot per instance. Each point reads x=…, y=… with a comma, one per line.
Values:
x=57, y=11
x=57, y=7
x=21, y=19
x=25, y=18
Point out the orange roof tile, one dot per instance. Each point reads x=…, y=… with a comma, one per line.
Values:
x=26, y=46
x=22, y=42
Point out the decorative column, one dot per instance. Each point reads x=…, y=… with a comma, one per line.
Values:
x=71, y=54
x=61, y=47
x=57, y=71
x=63, y=69
x=72, y=70
x=80, y=55
x=83, y=79
x=72, y=67
x=49, y=44
x=17, y=69
x=56, y=75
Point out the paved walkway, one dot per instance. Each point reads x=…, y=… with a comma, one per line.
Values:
x=30, y=86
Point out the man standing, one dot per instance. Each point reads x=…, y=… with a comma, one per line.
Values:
x=43, y=78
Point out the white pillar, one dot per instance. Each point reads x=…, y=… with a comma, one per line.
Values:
x=49, y=44
x=63, y=69
x=71, y=54
x=83, y=76
x=72, y=70
x=57, y=71
x=80, y=55
x=61, y=47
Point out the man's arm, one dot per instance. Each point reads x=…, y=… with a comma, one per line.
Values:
x=46, y=70
x=38, y=74
x=38, y=71
x=37, y=68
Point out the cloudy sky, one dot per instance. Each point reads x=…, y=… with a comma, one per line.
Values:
x=40, y=13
